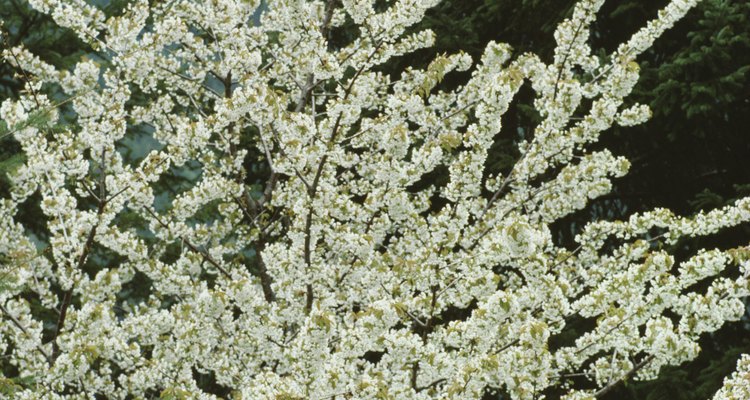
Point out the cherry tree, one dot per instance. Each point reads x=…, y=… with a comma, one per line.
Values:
x=314, y=255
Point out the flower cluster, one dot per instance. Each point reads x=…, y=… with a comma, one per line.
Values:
x=738, y=385
x=301, y=248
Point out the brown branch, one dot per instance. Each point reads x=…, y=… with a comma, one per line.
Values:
x=20, y=326
x=325, y=26
x=67, y=299
x=310, y=83
x=431, y=385
x=496, y=196
x=207, y=257
x=192, y=247
x=613, y=384
x=565, y=59
x=312, y=189
x=265, y=278
x=304, y=96
x=283, y=154
x=414, y=372
x=68, y=296
x=23, y=71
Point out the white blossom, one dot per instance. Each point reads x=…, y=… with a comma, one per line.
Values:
x=340, y=269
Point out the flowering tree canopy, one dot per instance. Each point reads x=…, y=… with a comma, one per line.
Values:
x=313, y=254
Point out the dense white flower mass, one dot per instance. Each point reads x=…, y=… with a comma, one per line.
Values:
x=346, y=272
x=737, y=386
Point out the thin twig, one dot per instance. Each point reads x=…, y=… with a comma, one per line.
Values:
x=613, y=384
x=20, y=326
x=68, y=296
